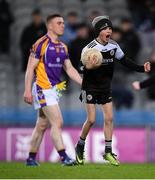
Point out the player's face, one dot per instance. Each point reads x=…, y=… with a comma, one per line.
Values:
x=56, y=25
x=105, y=34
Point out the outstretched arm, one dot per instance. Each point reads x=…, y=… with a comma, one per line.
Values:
x=72, y=72
x=127, y=62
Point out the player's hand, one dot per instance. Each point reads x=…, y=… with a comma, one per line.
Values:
x=92, y=62
x=147, y=67
x=89, y=64
x=136, y=85
x=28, y=98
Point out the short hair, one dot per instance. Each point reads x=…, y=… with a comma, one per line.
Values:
x=72, y=13
x=52, y=16
x=36, y=12
x=82, y=25
x=126, y=20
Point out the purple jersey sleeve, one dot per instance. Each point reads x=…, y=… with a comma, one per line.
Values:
x=66, y=50
x=36, y=50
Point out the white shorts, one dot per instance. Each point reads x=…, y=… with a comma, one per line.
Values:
x=44, y=97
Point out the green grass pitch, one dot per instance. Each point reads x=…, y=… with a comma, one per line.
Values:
x=18, y=170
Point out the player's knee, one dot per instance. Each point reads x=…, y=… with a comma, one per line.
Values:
x=42, y=126
x=60, y=124
x=57, y=124
x=91, y=121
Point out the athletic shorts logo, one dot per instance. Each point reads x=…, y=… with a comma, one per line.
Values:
x=89, y=97
x=40, y=94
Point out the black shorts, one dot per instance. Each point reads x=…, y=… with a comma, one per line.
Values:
x=91, y=97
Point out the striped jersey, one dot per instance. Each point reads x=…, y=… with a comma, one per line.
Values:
x=51, y=58
x=100, y=79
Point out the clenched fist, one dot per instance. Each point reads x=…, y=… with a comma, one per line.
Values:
x=147, y=67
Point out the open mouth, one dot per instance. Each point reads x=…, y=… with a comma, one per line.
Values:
x=108, y=36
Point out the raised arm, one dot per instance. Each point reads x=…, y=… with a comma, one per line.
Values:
x=127, y=62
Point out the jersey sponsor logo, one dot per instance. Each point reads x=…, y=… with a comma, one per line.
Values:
x=54, y=65
x=108, y=60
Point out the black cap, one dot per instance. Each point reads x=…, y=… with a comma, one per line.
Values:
x=101, y=22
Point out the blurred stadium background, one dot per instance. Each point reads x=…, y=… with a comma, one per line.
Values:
x=134, y=116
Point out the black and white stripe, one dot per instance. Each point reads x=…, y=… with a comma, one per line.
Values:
x=92, y=44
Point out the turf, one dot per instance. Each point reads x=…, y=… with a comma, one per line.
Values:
x=88, y=171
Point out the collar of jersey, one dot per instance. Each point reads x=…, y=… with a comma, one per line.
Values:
x=51, y=40
x=101, y=43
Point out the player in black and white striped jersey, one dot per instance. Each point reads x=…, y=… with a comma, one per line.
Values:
x=96, y=86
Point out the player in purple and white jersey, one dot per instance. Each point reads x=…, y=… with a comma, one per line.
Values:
x=43, y=85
